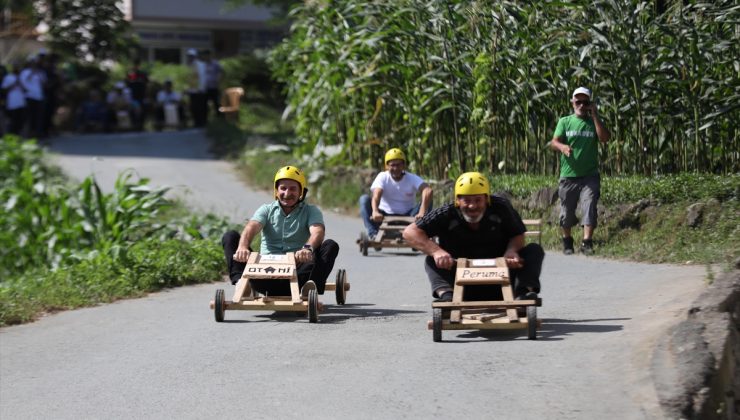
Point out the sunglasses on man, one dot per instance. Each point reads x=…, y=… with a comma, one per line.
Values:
x=585, y=102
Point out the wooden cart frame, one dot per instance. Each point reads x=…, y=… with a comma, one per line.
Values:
x=277, y=267
x=390, y=234
x=536, y=232
x=483, y=315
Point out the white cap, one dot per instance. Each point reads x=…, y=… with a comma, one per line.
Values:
x=582, y=91
x=119, y=85
x=192, y=51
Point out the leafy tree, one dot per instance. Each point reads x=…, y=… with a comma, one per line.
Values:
x=91, y=30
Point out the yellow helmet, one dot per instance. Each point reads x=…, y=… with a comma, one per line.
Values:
x=472, y=183
x=291, y=172
x=394, y=153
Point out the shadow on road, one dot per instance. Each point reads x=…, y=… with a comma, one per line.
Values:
x=557, y=329
x=552, y=329
x=333, y=314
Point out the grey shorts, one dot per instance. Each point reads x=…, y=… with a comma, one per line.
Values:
x=587, y=189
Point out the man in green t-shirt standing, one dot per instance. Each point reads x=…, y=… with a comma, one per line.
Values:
x=288, y=224
x=576, y=138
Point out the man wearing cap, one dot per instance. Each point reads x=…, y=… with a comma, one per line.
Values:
x=288, y=224
x=394, y=193
x=577, y=139
x=196, y=89
x=476, y=225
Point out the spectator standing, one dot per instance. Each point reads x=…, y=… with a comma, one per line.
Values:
x=15, y=100
x=196, y=89
x=51, y=90
x=577, y=138
x=137, y=81
x=33, y=79
x=212, y=75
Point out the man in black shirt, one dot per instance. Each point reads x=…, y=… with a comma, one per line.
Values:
x=477, y=225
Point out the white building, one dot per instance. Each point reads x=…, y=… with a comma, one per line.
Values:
x=168, y=28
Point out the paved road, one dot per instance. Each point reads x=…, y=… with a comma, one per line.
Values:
x=163, y=356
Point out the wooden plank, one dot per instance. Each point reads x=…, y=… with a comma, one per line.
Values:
x=509, y=296
x=457, y=291
x=470, y=273
x=468, y=282
x=295, y=294
x=493, y=324
x=485, y=304
x=241, y=287
x=270, y=305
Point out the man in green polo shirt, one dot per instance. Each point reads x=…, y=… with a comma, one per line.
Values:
x=288, y=224
x=576, y=138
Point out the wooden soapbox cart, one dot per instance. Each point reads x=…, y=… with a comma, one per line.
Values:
x=279, y=268
x=483, y=315
x=390, y=234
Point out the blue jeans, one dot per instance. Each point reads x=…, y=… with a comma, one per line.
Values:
x=366, y=210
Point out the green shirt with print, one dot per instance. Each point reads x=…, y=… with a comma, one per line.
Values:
x=580, y=135
x=283, y=233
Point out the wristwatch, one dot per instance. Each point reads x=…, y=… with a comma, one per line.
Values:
x=308, y=247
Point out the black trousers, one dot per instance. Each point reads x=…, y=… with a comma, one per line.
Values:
x=318, y=270
x=521, y=278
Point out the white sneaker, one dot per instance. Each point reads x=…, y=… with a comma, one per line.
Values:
x=310, y=285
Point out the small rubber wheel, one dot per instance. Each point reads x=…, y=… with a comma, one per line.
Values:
x=313, y=306
x=340, y=286
x=219, y=306
x=437, y=325
x=532, y=322
x=364, y=243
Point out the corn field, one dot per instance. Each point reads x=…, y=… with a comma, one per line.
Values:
x=479, y=85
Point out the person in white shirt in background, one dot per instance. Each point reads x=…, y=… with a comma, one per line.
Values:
x=15, y=100
x=394, y=193
x=33, y=78
x=167, y=96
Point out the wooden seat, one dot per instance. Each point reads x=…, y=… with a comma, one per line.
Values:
x=231, y=101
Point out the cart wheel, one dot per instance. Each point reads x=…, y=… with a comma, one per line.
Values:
x=532, y=322
x=313, y=306
x=364, y=243
x=340, y=285
x=437, y=325
x=219, y=306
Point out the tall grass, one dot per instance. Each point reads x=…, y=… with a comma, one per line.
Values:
x=475, y=85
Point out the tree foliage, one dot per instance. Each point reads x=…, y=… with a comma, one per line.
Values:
x=477, y=85
x=91, y=30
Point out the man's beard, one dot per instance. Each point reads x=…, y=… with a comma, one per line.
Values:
x=470, y=219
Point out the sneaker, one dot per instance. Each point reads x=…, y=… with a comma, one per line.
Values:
x=587, y=247
x=310, y=285
x=568, y=245
x=527, y=296
x=446, y=297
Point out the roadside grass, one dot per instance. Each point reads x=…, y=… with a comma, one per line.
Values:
x=148, y=266
x=65, y=245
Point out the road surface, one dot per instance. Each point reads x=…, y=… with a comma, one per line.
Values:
x=164, y=356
